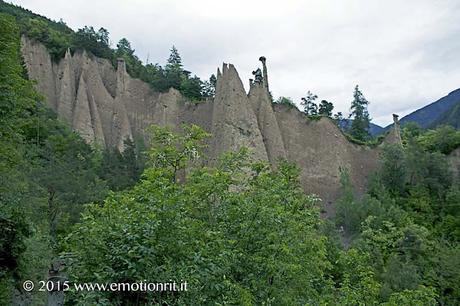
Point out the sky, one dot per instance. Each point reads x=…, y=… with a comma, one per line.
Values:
x=402, y=54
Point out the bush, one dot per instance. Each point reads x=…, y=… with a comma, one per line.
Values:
x=285, y=101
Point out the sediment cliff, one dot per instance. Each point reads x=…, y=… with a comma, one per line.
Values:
x=106, y=106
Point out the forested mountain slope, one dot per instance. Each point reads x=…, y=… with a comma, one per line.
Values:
x=443, y=111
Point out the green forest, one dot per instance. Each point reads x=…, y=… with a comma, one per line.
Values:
x=240, y=232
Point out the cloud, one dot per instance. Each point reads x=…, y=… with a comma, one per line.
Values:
x=403, y=54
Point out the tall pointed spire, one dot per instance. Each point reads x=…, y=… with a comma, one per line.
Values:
x=397, y=129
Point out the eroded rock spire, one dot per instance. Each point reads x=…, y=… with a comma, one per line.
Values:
x=397, y=129
x=264, y=69
x=260, y=76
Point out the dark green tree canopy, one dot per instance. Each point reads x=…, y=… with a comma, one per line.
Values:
x=309, y=105
x=325, y=108
x=209, y=87
x=95, y=42
x=360, y=116
x=338, y=116
x=285, y=101
x=124, y=47
x=174, y=61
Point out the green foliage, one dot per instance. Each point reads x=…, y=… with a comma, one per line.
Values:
x=420, y=296
x=17, y=96
x=421, y=182
x=446, y=260
x=399, y=251
x=428, y=170
x=174, y=62
x=410, y=131
x=17, y=99
x=393, y=169
x=179, y=78
x=56, y=36
x=309, y=105
x=407, y=223
x=191, y=87
x=238, y=233
x=64, y=166
x=355, y=140
x=360, y=125
x=353, y=211
x=325, y=108
x=215, y=228
x=95, y=42
x=56, y=42
x=209, y=87
x=133, y=64
x=47, y=173
x=121, y=170
x=338, y=117
x=370, y=142
x=154, y=75
x=124, y=48
x=358, y=285
x=285, y=101
x=172, y=152
x=444, y=139
x=347, y=200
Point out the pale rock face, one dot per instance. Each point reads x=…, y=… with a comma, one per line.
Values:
x=121, y=128
x=394, y=134
x=82, y=115
x=40, y=68
x=106, y=106
x=65, y=89
x=268, y=124
x=234, y=120
x=321, y=150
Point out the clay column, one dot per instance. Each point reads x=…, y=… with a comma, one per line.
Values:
x=263, y=60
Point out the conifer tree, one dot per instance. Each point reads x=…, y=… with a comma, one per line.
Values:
x=174, y=60
x=360, y=116
x=173, y=70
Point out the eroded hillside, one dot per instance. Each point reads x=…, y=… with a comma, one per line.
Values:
x=106, y=106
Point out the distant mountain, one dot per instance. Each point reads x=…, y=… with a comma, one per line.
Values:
x=374, y=129
x=443, y=111
x=449, y=117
